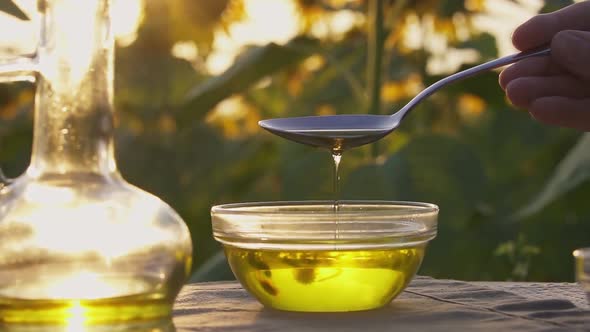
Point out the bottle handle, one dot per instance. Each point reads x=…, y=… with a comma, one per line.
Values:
x=22, y=68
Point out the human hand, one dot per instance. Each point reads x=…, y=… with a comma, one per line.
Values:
x=554, y=89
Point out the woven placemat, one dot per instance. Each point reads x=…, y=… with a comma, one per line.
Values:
x=426, y=305
x=541, y=291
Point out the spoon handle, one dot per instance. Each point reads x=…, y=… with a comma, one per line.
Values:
x=543, y=51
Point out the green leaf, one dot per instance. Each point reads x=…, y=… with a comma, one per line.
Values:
x=8, y=7
x=450, y=7
x=253, y=65
x=441, y=170
x=305, y=173
x=553, y=5
x=367, y=182
x=484, y=43
x=571, y=172
x=431, y=168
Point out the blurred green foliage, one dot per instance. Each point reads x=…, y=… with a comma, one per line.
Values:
x=512, y=192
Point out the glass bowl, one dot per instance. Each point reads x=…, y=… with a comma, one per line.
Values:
x=582, y=257
x=316, y=257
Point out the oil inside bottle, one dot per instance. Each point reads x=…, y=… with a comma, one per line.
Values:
x=143, y=305
x=89, y=298
x=325, y=280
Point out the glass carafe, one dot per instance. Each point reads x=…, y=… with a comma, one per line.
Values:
x=77, y=242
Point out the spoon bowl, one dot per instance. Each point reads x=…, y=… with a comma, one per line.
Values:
x=334, y=132
x=341, y=132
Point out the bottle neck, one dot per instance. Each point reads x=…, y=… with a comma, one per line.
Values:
x=73, y=127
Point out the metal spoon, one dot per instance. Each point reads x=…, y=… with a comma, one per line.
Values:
x=341, y=132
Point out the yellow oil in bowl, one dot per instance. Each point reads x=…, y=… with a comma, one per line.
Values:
x=325, y=280
x=308, y=256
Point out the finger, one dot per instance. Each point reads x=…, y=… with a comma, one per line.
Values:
x=571, y=50
x=537, y=66
x=562, y=111
x=540, y=29
x=523, y=91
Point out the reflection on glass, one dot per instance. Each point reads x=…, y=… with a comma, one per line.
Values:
x=582, y=262
x=78, y=244
x=75, y=325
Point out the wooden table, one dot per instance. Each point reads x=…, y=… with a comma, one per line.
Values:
x=426, y=305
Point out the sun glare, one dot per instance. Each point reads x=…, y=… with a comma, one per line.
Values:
x=21, y=37
x=16, y=36
x=82, y=285
x=106, y=231
x=499, y=18
x=186, y=50
x=104, y=228
x=127, y=16
x=70, y=43
x=77, y=318
x=336, y=24
x=260, y=28
x=71, y=40
x=502, y=17
x=257, y=29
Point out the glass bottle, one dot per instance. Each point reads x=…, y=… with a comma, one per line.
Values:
x=77, y=242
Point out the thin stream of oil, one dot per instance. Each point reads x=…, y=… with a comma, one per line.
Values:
x=336, y=156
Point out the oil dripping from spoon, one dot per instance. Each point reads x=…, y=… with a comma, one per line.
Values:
x=336, y=157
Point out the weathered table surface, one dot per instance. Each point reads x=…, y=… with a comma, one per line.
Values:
x=426, y=305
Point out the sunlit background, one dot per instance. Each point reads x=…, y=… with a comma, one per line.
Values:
x=193, y=77
x=255, y=26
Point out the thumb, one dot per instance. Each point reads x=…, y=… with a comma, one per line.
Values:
x=570, y=49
